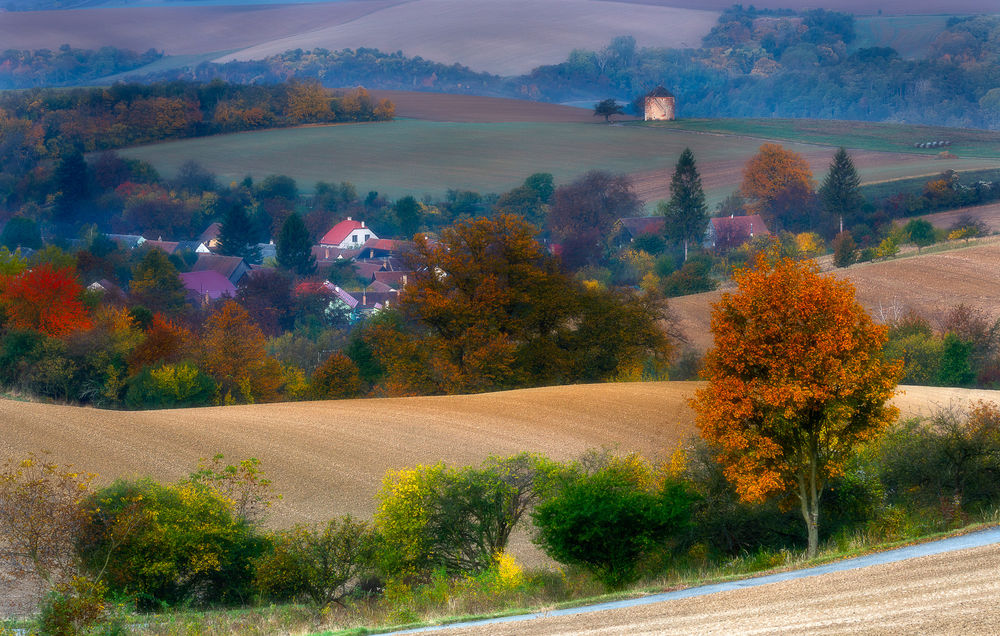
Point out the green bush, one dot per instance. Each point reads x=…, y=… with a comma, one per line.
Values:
x=948, y=464
x=612, y=519
x=458, y=520
x=169, y=544
x=320, y=564
x=170, y=386
x=72, y=608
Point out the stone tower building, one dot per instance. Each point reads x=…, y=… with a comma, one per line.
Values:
x=659, y=105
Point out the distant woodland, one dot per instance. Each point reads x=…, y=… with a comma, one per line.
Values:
x=754, y=63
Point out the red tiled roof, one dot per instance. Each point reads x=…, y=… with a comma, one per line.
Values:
x=340, y=231
x=329, y=254
x=167, y=246
x=392, y=278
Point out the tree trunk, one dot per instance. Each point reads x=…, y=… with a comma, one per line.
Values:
x=809, y=493
x=685, y=250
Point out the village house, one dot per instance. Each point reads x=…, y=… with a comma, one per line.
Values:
x=347, y=234
x=206, y=285
x=233, y=268
x=730, y=232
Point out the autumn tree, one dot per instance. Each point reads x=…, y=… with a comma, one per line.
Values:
x=233, y=352
x=686, y=214
x=776, y=184
x=164, y=342
x=840, y=193
x=335, y=379
x=796, y=381
x=295, y=247
x=583, y=213
x=45, y=299
x=487, y=308
x=156, y=285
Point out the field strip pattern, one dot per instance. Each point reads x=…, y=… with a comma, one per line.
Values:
x=949, y=600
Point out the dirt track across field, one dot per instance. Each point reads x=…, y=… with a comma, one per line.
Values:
x=950, y=593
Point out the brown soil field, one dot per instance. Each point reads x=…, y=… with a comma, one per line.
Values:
x=857, y=7
x=951, y=593
x=929, y=284
x=328, y=458
x=475, y=109
x=176, y=30
x=507, y=38
x=988, y=214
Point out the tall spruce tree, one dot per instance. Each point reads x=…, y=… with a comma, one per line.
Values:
x=237, y=236
x=685, y=212
x=840, y=192
x=294, y=247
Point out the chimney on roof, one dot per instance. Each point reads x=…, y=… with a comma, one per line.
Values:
x=327, y=253
x=733, y=215
x=348, y=218
x=362, y=224
x=404, y=280
x=364, y=298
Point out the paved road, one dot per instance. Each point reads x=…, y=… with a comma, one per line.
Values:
x=921, y=587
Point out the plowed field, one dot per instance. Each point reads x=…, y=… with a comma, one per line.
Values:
x=929, y=284
x=950, y=593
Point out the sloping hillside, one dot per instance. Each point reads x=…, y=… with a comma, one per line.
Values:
x=929, y=284
x=328, y=458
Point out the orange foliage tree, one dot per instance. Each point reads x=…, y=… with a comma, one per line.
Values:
x=233, y=354
x=45, y=299
x=795, y=382
x=163, y=342
x=773, y=173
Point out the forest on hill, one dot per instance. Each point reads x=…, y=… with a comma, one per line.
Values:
x=753, y=63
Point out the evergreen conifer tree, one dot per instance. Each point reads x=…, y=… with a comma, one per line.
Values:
x=237, y=234
x=294, y=247
x=840, y=193
x=685, y=212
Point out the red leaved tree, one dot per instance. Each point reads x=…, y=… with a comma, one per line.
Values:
x=46, y=300
x=796, y=381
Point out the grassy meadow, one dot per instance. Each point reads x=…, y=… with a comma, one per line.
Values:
x=426, y=157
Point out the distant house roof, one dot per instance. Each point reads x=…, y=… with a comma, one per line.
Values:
x=208, y=284
x=373, y=300
x=384, y=247
x=130, y=241
x=167, y=246
x=328, y=289
x=659, y=91
x=340, y=231
x=733, y=231
x=379, y=286
x=211, y=233
x=232, y=267
x=638, y=225
x=394, y=278
x=326, y=254
x=367, y=269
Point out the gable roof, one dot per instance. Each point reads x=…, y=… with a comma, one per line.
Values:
x=367, y=269
x=167, y=246
x=208, y=283
x=637, y=225
x=224, y=265
x=392, y=277
x=340, y=231
x=378, y=286
x=211, y=232
x=325, y=254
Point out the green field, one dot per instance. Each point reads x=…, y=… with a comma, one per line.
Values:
x=421, y=157
x=966, y=142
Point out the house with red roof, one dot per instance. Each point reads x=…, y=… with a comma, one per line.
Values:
x=348, y=234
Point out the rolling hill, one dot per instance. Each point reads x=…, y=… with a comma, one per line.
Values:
x=505, y=38
x=929, y=283
x=490, y=145
x=328, y=458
